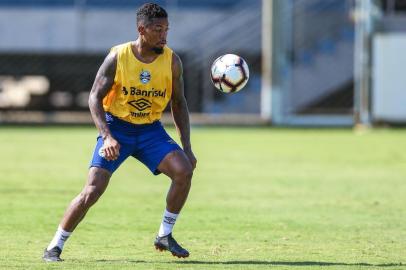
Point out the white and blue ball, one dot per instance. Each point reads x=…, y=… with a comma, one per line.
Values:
x=229, y=73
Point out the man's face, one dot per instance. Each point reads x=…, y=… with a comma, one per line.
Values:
x=154, y=34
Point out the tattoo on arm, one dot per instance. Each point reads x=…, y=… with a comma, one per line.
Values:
x=102, y=84
x=179, y=107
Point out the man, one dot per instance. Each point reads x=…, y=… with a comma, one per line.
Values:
x=132, y=88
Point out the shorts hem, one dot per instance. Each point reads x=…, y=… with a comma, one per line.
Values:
x=154, y=169
x=98, y=165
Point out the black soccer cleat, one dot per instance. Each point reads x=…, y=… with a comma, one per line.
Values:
x=169, y=243
x=52, y=255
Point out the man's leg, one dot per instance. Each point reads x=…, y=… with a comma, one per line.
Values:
x=177, y=166
x=97, y=182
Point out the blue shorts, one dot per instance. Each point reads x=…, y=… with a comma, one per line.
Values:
x=149, y=143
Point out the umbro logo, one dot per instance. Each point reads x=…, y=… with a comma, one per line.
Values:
x=64, y=237
x=169, y=220
x=140, y=104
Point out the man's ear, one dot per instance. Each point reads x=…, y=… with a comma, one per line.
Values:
x=141, y=29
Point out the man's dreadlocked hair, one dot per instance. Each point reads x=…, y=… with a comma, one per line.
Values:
x=150, y=11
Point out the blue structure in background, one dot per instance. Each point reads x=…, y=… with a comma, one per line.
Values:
x=119, y=3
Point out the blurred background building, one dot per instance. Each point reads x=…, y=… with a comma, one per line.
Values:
x=312, y=62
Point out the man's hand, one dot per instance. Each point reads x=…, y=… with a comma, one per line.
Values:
x=191, y=157
x=111, y=148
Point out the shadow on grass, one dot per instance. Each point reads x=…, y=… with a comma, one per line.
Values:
x=306, y=263
x=253, y=262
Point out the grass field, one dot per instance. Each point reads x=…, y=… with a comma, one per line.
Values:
x=261, y=198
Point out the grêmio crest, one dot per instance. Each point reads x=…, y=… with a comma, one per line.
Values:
x=145, y=76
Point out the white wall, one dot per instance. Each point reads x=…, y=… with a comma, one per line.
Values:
x=69, y=29
x=389, y=77
x=38, y=29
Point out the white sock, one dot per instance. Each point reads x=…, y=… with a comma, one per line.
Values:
x=168, y=221
x=59, y=239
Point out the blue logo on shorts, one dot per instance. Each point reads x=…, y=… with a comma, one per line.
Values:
x=145, y=76
x=101, y=152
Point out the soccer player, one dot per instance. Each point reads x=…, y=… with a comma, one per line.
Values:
x=131, y=90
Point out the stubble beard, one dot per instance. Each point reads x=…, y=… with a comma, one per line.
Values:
x=158, y=50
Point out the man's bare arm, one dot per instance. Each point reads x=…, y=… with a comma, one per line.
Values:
x=179, y=108
x=102, y=84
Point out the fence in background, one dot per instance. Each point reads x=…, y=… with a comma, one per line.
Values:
x=50, y=54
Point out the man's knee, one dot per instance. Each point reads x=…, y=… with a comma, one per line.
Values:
x=183, y=176
x=98, y=180
x=89, y=196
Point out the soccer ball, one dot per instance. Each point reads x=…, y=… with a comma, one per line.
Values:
x=229, y=73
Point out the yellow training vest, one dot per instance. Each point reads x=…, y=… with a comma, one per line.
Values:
x=140, y=91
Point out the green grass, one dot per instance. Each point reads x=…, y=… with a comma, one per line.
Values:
x=261, y=198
